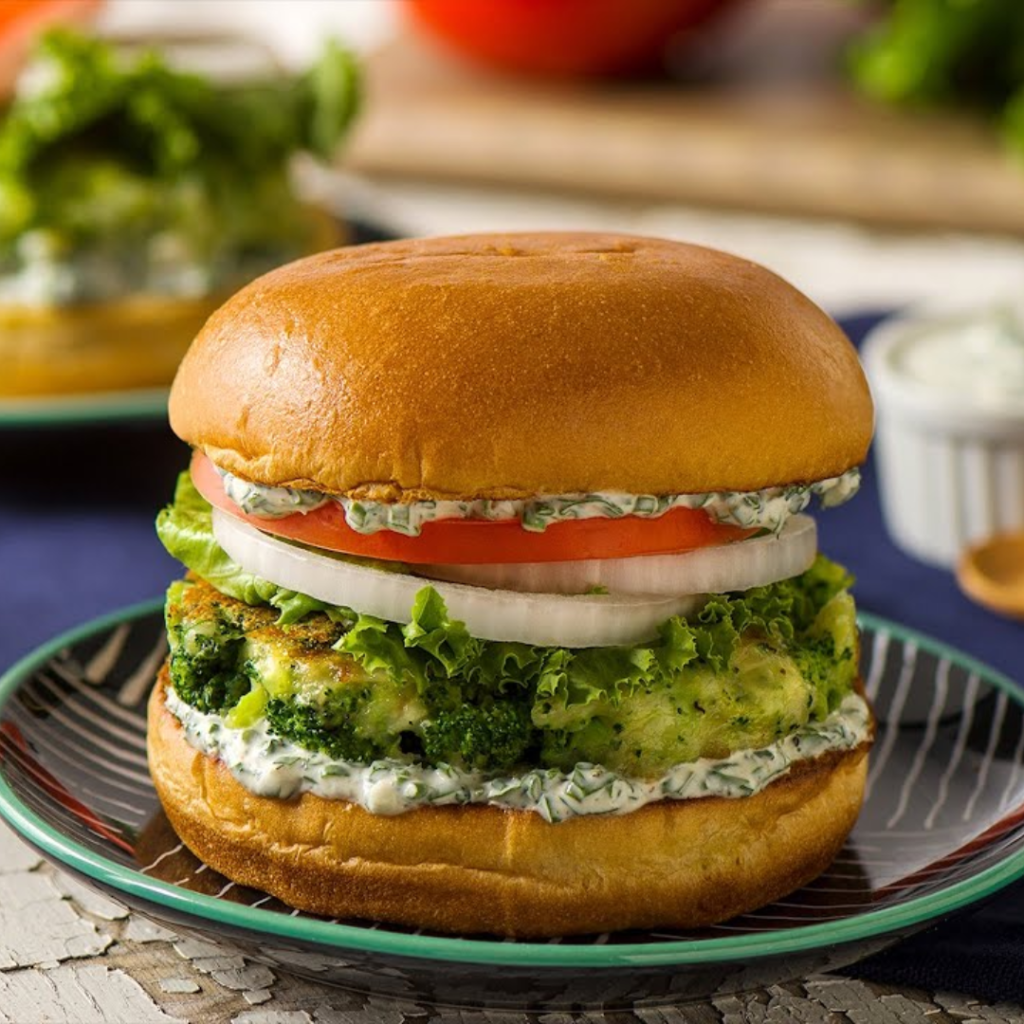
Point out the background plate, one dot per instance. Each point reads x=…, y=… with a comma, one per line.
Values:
x=91, y=409
x=942, y=827
x=134, y=405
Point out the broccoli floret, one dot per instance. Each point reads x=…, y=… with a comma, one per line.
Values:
x=207, y=665
x=329, y=727
x=829, y=669
x=489, y=738
x=493, y=738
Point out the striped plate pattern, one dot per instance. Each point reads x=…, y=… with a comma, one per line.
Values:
x=942, y=825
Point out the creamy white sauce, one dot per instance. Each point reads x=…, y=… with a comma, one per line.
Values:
x=49, y=279
x=39, y=77
x=270, y=766
x=979, y=358
x=766, y=509
x=48, y=272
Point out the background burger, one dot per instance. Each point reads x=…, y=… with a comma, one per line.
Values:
x=136, y=196
x=502, y=612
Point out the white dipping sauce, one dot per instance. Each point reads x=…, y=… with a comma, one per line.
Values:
x=979, y=359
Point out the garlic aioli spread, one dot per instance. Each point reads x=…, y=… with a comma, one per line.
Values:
x=977, y=358
x=767, y=509
x=268, y=765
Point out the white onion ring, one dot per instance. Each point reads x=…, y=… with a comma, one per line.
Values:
x=711, y=570
x=600, y=620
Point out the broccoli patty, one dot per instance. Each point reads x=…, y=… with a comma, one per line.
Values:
x=230, y=657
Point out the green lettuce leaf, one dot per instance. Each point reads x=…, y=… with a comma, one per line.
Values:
x=380, y=647
x=430, y=630
x=186, y=529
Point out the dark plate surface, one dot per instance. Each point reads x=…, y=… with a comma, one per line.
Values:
x=942, y=828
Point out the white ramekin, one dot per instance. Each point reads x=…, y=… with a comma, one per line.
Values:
x=951, y=471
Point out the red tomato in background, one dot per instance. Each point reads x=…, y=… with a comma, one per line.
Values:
x=563, y=37
x=22, y=20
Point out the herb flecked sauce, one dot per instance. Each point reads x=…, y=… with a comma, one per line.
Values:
x=767, y=509
x=270, y=766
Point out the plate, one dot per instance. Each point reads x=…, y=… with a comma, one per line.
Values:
x=942, y=828
x=92, y=408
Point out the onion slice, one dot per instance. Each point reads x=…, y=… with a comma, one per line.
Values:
x=597, y=620
x=712, y=570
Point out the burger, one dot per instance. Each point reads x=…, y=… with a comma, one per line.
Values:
x=502, y=612
x=135, y=197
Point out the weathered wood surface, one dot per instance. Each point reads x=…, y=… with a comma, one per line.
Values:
x=70, y=956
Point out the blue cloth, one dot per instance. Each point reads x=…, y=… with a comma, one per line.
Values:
x=77, y=540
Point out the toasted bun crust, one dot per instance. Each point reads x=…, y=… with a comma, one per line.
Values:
x=523, y=364
x=136, y=342
x=484, y=869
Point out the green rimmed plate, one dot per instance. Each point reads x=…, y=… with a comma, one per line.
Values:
x=89, y=409
x=942, y=828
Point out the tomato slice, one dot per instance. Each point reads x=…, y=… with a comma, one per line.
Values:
x=477, y=541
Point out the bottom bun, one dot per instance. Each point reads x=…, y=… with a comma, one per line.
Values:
x=484, y=869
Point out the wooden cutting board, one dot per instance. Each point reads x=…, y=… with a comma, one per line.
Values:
x=768, y=130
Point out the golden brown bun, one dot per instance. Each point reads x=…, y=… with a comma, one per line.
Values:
x=522, y=364
x=484, y=869
x=136, y=342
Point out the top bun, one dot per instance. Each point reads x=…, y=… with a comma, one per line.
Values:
x=507, y=366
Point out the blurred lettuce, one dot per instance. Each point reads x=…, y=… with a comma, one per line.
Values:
x=99, y=143
x=962, y=52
